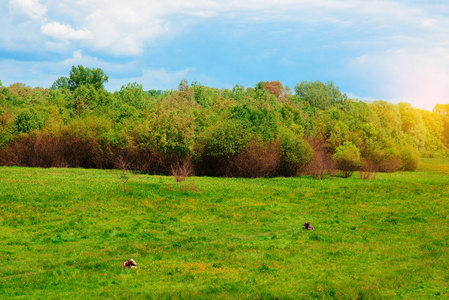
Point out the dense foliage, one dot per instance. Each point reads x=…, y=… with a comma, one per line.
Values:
x=262, y=131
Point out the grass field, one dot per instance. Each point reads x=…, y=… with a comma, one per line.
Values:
x=65, y=232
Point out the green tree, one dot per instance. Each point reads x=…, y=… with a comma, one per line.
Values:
x=126, y=112
x=87, y=98
x=54, y=123
x=443, y=111
x=7, y=127
x=85, y=76
x=337, y=136
x=434, y=125
x=134, y=95
x=347, y=158
x=320, y=95
x=262, y=122
x=412, y=125
x=28, y=120
x=61, y=83
x=204, y=95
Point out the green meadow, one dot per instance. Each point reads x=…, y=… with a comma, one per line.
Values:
x=64, y=233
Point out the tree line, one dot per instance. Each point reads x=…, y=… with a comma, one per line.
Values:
x=265, y=130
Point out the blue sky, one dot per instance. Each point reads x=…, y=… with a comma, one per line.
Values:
x=392, y=50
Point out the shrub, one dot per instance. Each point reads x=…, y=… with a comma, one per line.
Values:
x=257, y=159
x=90, y=128
x=368, y=170
x=39, y=151
x=225, y=139
x=142, y=159
x=384, y=157
x=322, y=164
x=347, y=158
x=169, y=132
x=44, y=150
x=410, y=158
x=182, y=170
x=295, y=152
x=217, y=145
x=390, y=165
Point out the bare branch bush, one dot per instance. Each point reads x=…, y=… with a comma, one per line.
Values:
x=390, y=165
x=182, y=170
x=123, y=164
x=368, y=170
x=322, y=164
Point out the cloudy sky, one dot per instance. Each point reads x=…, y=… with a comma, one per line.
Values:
x=395, y=50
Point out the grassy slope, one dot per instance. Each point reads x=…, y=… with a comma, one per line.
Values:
x=65, y=232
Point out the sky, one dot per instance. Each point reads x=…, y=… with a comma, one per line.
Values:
x=395, y=50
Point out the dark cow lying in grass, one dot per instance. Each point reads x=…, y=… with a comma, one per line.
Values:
x=129, y=264
x=308, y=226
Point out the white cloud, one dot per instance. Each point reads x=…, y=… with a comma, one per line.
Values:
x=33, y=8
x=65, y=32
x=126, y=27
